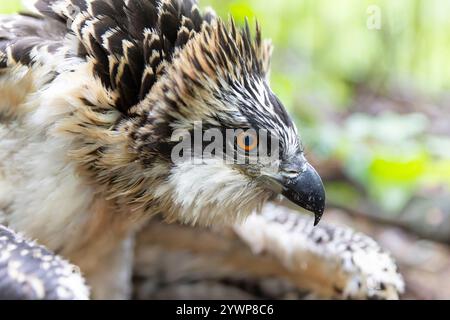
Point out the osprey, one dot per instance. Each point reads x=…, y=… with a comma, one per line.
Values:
x=92, y=92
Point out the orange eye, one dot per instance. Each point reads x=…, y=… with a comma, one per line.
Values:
x=247, y=141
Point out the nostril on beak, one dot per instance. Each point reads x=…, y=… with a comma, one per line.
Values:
x=291, y=173
x=292, y=170
x=307, y=191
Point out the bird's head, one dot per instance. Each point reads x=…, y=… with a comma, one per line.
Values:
x=226, y=140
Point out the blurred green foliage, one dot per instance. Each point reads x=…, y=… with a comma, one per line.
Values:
x=325, y=51
x=391, y=155
x=324, y=46
x=9, y=6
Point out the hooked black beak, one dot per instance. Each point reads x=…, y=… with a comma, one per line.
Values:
x=307, y=191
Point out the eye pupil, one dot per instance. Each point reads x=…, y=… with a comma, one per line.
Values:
x=247, y=141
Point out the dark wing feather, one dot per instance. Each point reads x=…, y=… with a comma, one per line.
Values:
x=20, y=34
x=130, y=42
x=31, y=272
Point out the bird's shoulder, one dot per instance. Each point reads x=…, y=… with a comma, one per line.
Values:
x=22, y=36
x=129, y=43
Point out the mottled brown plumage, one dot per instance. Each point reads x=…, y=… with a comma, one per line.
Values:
x=94, y=92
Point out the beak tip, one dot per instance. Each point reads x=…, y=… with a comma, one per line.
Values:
x=308, y=192
x=318, y=217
